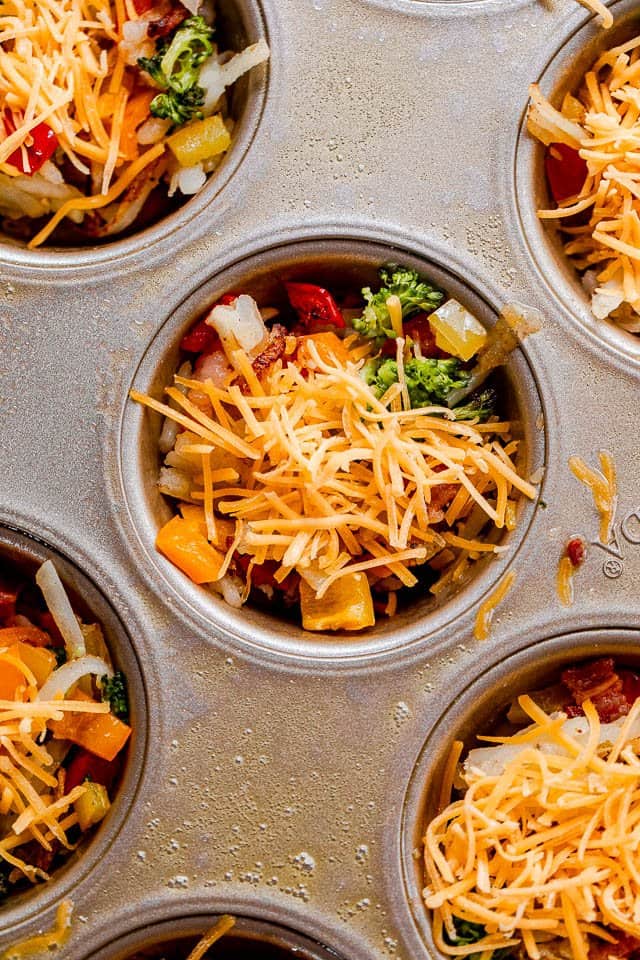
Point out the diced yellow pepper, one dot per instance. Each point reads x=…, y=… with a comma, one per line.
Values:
x=40, y=661
x=347, y=605
x=182, y=542
x=457, y=331
x=92, y=806
x=199, y=140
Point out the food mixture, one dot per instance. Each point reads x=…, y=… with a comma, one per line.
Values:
x=108, y=110
x=592, y=165
x=537, y=854
x=63, y=727
x=354, y=448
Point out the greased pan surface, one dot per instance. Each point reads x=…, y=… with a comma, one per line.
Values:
x=279, y=782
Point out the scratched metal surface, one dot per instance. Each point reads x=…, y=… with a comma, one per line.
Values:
x=276, y=777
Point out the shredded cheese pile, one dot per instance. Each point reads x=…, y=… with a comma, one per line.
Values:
x=323, y=473
x=60, y=64
x=603, y=124
x=29, y=792
x=546, y=848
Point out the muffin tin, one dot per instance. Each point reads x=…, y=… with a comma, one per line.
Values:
x=274, y=776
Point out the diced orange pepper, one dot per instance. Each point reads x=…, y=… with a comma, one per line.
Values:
x=99, y=733
x=136, y=112
x=10, y=679
x=41, y=662
x=327, y=344
x=184, y=543
x=224, y=528
x=26, y=634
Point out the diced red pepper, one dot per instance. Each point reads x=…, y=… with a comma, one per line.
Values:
x=315, y=306
x=8, y=600
x=85, y=764
x=44, y=145
x=566, y=171
x=576, y=550
x=142, y=6
x=262, y=574
x=202, y=338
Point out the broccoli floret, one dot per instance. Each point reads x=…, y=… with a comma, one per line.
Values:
x=469, y=932
x=175, y=68
x=114, y=692
x=178, y=107
x=479, y=406
x=60, y=654
x=429, y=381
x=414, y=294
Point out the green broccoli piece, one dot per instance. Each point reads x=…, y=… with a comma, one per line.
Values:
x=178, y=107
x=429, y=382
x=479, y=406
x=114, y=692
x=175, y=68
x=414, y=294
x=469, y=932
x=60, y=654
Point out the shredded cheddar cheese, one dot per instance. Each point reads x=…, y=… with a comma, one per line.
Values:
x=43, y=942
x=543, y=843
x=332, y=480
x=597, y=7
x=564, y=581
x=220, y=927
x=54, y=58
x=40, y=809
x=602, y=123
x=487, y=608
x=603, y=486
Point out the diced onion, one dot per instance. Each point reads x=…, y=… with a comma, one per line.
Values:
x=66, y=676
x=191, y=179
x=239, y=324
x=60, y=609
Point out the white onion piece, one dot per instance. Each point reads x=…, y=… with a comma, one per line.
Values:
x=239, y=324
x=153, y=130
x=66, y=676
x=135, y=30
x=215, y=77
x=191, y=179
x=60, y=609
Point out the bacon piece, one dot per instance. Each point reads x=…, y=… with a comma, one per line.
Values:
x=273, y=350
x=598, y=682
x=168, y=23
x=625, y=946
x=576, y=551
x=441, y=496
x=593, y=678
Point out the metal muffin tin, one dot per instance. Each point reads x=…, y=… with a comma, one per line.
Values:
x=274, y=776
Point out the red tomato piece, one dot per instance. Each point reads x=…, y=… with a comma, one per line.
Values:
x=314, y=305
x=566, y=171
